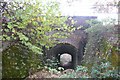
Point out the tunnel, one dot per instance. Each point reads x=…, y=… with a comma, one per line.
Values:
x=73, y=45
x=62, y=48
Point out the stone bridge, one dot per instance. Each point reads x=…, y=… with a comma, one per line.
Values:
x=73, y=45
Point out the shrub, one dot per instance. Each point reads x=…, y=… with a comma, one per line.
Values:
x=102, y=40
x=104, y=70
x=18, y=62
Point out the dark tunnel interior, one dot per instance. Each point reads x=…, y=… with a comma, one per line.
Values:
x=62, y=48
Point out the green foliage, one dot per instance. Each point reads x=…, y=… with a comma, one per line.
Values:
x=101, y=39
x=51, y=63
x=38, y=23
x=104, y=70
x=32, y=22
x=52, y=66
x=80, y=72
x=94, y=22
x=101, y=53
x=19, y=61
x=109, y=21
x=68, y=75
x=81, y=68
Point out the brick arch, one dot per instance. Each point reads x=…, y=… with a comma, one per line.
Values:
x=73, y=45
x=62, y=48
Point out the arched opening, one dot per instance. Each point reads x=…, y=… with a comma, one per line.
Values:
x=66, y=60
x=63, y=48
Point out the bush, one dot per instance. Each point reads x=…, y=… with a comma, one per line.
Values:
x=102, y=40
x=19, y=62
x=104, y=70
x=32, y=24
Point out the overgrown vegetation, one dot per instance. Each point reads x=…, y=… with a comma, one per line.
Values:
x=31, y=26
x=19, y=62
x=99, y=70
x=101, y=52
x=102, y=43
x=101, y=57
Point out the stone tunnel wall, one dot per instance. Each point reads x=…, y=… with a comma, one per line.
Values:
x=73, y=45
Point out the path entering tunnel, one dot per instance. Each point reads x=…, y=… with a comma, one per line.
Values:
x=65, y=48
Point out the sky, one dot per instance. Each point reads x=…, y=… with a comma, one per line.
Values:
x=79, y=7
x=83, y=8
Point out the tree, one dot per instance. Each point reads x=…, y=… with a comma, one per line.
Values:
x=105, y=6
x=29, y=26
x=33, y=23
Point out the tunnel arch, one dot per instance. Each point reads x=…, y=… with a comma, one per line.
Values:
x=62, y=48
x=73, y=45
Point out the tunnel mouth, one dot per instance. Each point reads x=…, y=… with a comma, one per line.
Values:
x=65, y=59
x=63, y=48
